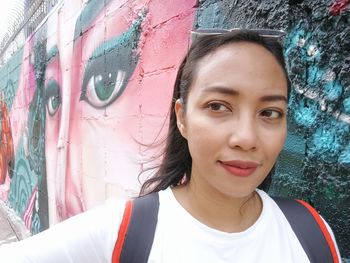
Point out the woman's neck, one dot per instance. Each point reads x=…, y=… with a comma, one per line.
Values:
x=218, y=211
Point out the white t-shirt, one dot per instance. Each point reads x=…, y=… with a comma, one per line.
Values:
x=180, y=238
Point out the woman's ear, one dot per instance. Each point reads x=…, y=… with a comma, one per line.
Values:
x=180, y=117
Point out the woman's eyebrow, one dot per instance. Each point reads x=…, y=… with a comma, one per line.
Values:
x=233, y=92
x=272, y=98
x=220, y=89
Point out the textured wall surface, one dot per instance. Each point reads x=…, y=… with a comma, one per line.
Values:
x=96, y=79
x=315, y=164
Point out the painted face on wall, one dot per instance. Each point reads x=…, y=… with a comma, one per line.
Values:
x=235, y=119
x=108, y=87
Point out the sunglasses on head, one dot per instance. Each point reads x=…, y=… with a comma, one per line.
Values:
x=266, y=33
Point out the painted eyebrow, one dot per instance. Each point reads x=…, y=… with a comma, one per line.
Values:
x=88, y=15
x=232, y=92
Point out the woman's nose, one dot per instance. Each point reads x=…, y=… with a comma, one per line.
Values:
x=243, y=134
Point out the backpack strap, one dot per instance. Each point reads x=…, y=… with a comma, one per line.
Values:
x=310, y=230
x=137, y=229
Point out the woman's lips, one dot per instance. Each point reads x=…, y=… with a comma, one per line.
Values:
x=239, y=168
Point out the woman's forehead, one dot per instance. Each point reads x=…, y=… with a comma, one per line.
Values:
x=243, y=67
x=238, y=50
x=239, y=58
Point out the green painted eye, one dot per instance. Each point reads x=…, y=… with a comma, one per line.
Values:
x=101, y=90
x=110, y=68
x=53, y=97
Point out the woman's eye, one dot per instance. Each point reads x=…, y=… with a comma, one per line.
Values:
x=215, y=106
x=52, y=96
x=271, y=114
x=102, y=89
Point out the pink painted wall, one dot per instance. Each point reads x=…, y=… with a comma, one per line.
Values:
x=94, y=84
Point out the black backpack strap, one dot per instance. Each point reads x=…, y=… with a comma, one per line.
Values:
x=310, y=230
x=136, y=232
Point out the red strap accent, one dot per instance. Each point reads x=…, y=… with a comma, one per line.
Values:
x=323, y=228
x=122, y=232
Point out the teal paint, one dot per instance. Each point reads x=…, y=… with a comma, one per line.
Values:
x=327, y=141
x=23, y=182
x=306, y=113
x=344, y=157
x=294, y=144
x=52, y=53
x=332, y=90
x=88, y=15
x=9, y=77
x=287, y=180
x=324, y=142
x=346, y=105
x=314, y=75
x=294, y=38
x=36, y=224
x=127, y=39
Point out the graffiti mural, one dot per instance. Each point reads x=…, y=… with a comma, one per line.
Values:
x=83, y=107
x=100, y=84
x=91, y=87
x=6, y=144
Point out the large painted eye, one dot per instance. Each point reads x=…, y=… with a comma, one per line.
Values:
x=102, y=89
x=110, y=67
x=53, y=97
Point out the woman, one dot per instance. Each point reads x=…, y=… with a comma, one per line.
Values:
x=227, y=127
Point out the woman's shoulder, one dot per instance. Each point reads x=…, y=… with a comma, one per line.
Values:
x=311, y=229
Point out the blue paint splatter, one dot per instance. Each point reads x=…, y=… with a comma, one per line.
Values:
x=293, y=38
x=327, y=141
x=346, y=105
x=332, y=90
x=314, y=75
x=306, y=115
x=298, y=39
x=324, y=144
x=296, y=36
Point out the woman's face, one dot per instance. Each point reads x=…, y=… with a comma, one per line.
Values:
x=235, y=118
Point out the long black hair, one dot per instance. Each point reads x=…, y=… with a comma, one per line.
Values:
x=177, y=161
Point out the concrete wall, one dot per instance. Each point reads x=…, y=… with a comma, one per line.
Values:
x=95, y=80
